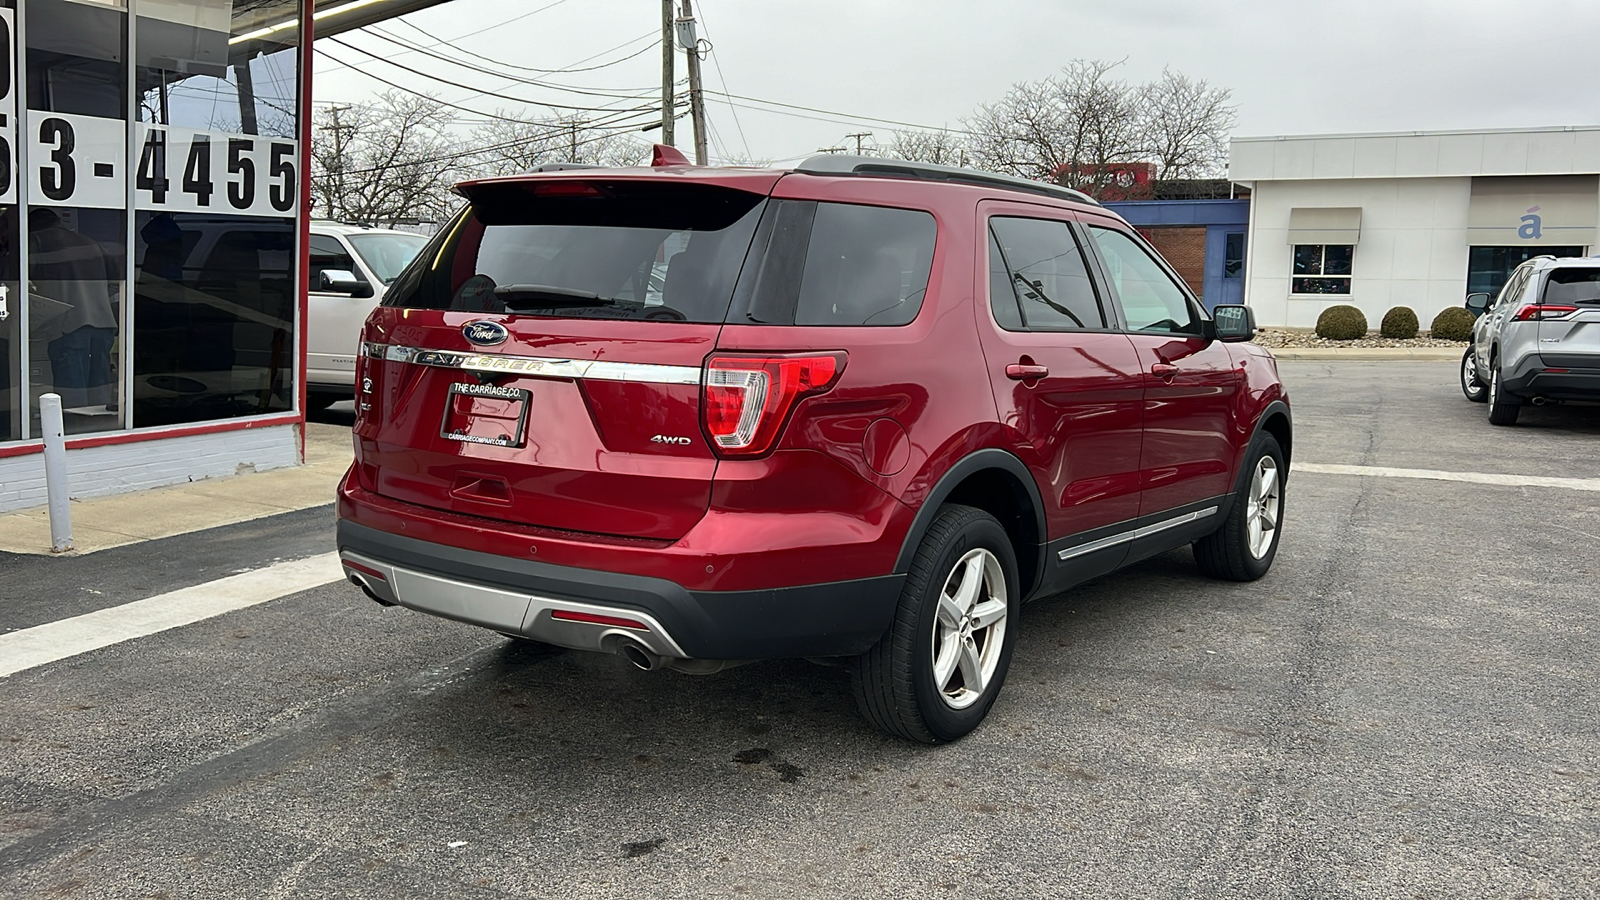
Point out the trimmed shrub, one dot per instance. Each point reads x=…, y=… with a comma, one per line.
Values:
x=1341, y=323
x=1453, y=324
x=1399, y=323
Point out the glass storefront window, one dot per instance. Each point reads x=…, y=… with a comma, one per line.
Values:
x=1489, y=267
x=149, y=211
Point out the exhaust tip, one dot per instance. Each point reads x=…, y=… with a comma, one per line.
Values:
x=639, y=656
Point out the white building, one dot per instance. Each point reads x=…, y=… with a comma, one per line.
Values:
x=1416, y=219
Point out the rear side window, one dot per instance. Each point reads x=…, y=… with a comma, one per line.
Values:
x=836, y=264
x=612, y=250
x=1043, y=267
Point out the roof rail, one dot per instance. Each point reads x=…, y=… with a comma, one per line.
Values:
x=838, y=164
x=563, y=166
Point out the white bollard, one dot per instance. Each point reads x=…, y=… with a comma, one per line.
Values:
x=55, y=473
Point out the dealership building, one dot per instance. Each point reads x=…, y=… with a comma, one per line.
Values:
x=153, y=234
x=1416, y=219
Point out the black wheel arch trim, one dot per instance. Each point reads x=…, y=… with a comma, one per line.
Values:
x=973, y=463
x=1274, y=408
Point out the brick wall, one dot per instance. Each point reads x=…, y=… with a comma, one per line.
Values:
x=1184, y=246
x=119, y=468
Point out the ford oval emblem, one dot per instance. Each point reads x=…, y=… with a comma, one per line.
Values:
x=485, y=334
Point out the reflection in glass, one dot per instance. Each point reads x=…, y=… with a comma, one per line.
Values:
x=77, y=59
x=219, y=65
x=214, y=306
x=1233, y=256
x=11, y=300
x=76, y=259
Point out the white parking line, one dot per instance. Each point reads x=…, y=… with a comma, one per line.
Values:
x=47, y=643
x=1576, y=484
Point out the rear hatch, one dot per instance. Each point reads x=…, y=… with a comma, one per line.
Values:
x=540, y=361
x=1569, y=318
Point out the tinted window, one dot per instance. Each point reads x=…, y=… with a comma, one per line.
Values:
x=328, y=253
x=617, y=250
x=1151, y=300
x=838, y=264
x=1045, y=268
x=1573, y=285
x=1002, y=299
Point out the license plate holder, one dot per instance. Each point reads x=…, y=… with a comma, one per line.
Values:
x=486, y=414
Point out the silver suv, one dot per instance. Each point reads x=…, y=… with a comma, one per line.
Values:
x=1540, y=340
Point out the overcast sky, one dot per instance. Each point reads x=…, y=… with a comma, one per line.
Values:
x=1294, y=66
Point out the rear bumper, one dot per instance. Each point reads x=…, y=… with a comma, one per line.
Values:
x=1534, y=378
x=525, y=597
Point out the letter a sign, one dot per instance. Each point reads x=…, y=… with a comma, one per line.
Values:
x=1532, y=227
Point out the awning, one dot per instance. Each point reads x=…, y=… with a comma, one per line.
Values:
x=1324, y=225
x=1550, y=211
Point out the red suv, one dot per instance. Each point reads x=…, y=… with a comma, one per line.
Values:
x=858, y=410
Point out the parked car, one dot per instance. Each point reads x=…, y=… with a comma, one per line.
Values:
x=351, y=267
x=1539, y=341
x=871, y=409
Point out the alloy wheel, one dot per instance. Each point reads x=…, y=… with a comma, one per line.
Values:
x=970, y=628
x=1264, y=504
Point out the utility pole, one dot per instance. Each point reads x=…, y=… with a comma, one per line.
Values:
x=337, y=166
x=697, y=100
x=669, y=131
x=858, y=136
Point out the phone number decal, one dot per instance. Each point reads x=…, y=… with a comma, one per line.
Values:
x=183, y=170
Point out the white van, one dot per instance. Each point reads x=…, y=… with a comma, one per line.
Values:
x=350, y=268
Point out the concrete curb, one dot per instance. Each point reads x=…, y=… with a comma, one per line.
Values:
x=1369, y=353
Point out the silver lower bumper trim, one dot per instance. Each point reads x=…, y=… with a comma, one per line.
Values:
x=509, y=612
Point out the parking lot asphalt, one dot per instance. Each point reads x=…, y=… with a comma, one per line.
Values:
x=1404, y=707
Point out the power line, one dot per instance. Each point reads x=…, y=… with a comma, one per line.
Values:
x=625, y=93
x=722, y=78
x=562, y=71
x=480, y=91
x=849, y=117
x=491, y=27
x=507, y=145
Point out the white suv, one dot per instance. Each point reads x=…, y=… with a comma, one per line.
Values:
x=350, y=268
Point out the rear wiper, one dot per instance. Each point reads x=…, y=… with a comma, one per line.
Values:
x=545, y=295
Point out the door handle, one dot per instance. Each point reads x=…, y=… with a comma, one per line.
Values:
x=1165, y=370
x=1020, y=372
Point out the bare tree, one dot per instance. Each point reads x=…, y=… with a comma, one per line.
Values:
x=508, y=147
x=388, y=161
x=1185, y=123
x=1068, y=128
x=942, y=148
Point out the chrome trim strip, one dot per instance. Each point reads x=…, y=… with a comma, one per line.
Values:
x=536, y=366
x=1135, y=534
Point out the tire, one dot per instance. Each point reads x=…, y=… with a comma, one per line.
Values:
x=1471, y=384
x=1243, y=547
x=895, y=682
x=1503, y=408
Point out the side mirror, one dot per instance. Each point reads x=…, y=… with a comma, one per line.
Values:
x=341, y=281
x=1477, y=303
x=1234, y=323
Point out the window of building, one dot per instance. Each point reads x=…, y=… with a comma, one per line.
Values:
x=1233, y=255
x=1489, y=267
x=1044, y=266
x=1322, y=268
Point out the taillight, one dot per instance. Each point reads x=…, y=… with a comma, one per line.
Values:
x=747, y=399
x=1528, y=313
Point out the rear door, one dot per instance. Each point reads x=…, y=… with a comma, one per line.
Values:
x=333, y=324
x=1064, y=380
x=1569, y=327
x=1191, y=385
x=540, y=362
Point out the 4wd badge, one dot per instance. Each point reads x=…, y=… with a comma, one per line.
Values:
x=668, y=439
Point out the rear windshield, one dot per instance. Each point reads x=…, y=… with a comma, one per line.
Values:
x=588, y=249
x=1576, y=284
